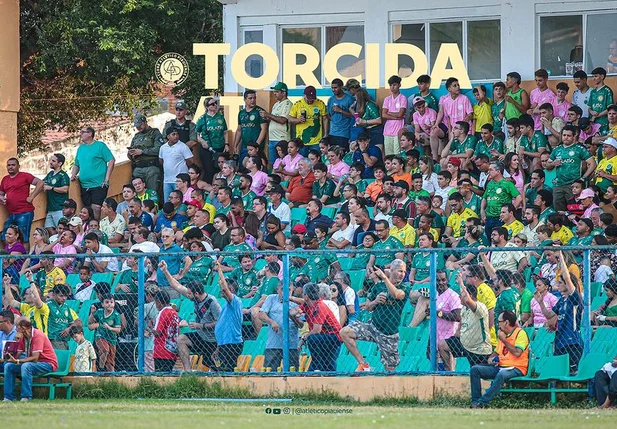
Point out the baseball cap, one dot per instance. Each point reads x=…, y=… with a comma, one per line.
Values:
x=352, y=83
x=417, y=100
x=455, y=161
x=168, y=207
x=280, y=86
x=583, y=123
x=310, y=92
x=586, y=193
x=278, y=189
x=170, y=130
x=402, y=184
x=299, y=229
x=195, y=203
x=611, y=142
x=400, y=213
x=75, y=221
x=139, y=119
x=181, y=105
x=151, y=288
x=363, y=136
x=309, y=236
x=73, y=205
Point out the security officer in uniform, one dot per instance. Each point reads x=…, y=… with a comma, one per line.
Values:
x=185, y=127
x=144, y=153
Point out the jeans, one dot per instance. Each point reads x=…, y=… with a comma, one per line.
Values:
x=491, y=223
x=272, y=151
x=28, y=371
x=324, y=350
x=23, y=221
x=167, y=188
x=489, y=372
x=605, y=386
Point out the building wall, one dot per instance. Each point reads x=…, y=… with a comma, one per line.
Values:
x=519, y=22
x=9, y=78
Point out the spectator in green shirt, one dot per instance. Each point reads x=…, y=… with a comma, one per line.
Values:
x=108, y=324
x=56, y=186
x=61, y=317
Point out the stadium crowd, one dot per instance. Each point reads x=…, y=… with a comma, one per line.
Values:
x=507, y=169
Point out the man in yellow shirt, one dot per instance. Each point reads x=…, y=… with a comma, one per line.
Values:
x=555, y=222
x=606, y=172
x=455, y=225
x=513, y=225
x=474, y=275
x=401, y=230
x=33, y=307
x=310, y=117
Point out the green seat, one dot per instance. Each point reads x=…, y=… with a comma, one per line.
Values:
x=329, y=211
x=530, y=331
x=298, y=215
x=597, y=302
x=587, y=367
x=462, y=365
x=72, y=280
x=357, y=279
x=73, y=304
x=103, y=277
x=346, y=362
x=23, y=283
x=542, y=345
x=596, y=289
x=64, y=364
x=345, y=263
x=604, y=340
x=555, y=368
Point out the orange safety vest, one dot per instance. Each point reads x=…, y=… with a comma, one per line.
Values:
x=508, y=359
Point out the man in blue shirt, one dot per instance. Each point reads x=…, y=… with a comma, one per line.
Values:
x=314, y=216
x=169, y=219
x=341, y=119
x=136, y=211
x=367, y=155
x=173, y=262
x=228, y=329
x=271, y=312
x=7, y=332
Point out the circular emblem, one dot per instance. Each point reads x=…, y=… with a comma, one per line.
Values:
x=459, y=107
x=498, y=191
x=315, y=110
x=247, y=281
x=53, y=181
x=220, y=121
x=398, y=105
x=252, y=118
x=571, y=153
x=600, y=97
x=171, y=69
x=317, y=259
x=174, y=224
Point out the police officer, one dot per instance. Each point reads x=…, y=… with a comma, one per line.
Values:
x=186, y=128
x=144, y=153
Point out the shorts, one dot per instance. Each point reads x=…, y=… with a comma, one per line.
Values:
x=388, y=344
x=202, y=347
x=96, y=196
x=339, y=141
x=273, y=358
x=458, y=350
x=52, y=219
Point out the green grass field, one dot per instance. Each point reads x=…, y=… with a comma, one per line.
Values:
x=154, y=414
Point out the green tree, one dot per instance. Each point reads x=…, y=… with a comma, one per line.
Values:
x=84, y=60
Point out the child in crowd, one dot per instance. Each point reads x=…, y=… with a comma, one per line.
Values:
x=107, y=322
x=562, y=106
x=85, y=356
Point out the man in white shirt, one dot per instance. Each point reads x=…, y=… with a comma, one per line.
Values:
x=279, y=208
x=514, y=261
x=343, y=237
x=175, y=157
x=140, y=237
x=99, y=264
x=112, y=224
x=383, y=208
x=278, y=128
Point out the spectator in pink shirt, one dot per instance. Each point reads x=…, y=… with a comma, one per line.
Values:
x=561, y=104
x=586, y=199
x=289, y=166
x=64, y=245
x=537, y=318
x=427, y=130
x=587, y=129
x=337, y=168
x=542, y=94
x=453, y=107
x=393, y=111
x=260, y=179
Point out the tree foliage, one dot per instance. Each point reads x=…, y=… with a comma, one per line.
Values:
x=84, y=60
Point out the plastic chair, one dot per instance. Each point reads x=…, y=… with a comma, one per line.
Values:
x=542, y=345
x=587, y=367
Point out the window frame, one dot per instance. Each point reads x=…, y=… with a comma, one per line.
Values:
x=322, y=29
x=243, y=31
x=584, y=14
x=464, y=34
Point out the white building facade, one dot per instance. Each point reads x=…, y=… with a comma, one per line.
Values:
x=494, y=37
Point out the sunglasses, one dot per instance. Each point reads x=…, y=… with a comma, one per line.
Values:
x=211, y=104
x=334, y=290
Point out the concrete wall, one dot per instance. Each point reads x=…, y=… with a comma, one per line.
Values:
x=9, y=78
x=364, y=388
x=519, y=22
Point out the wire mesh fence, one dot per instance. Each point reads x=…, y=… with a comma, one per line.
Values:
x=311, y=311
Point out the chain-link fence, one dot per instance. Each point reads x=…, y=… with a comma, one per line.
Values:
x=314, y=311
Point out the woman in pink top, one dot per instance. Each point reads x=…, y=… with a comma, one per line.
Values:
x=537, y=318
x=289, y=166
x=514, y=171
x=281, y=152
x=337, y=167
x=260, y=179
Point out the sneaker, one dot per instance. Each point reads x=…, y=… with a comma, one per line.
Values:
x=26, y=399
x=6, y=400
x=363, y=367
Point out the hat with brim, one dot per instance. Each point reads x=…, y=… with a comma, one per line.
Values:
x=586, y=193
x=280, y=86
x=610, y=142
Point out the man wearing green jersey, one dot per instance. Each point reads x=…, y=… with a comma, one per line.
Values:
x=251, y=125
x=568, y=160
x=600, y=97
x=499, y=191
x=532, y=142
